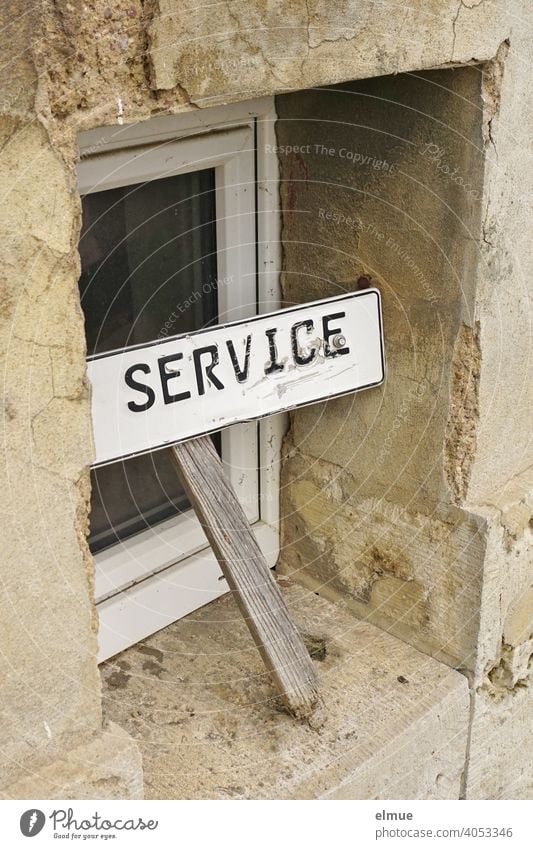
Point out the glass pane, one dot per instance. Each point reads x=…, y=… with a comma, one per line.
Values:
x=148, y=256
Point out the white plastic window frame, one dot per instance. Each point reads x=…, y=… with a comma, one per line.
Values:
x=150, y=580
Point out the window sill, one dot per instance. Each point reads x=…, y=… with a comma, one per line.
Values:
x=172, y=592
x=395, y=720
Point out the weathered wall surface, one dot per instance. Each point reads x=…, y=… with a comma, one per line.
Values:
x=503, y=692
x=504, y=445
x=207, y=728
x=378, y=524
x=48, y=671
x=51, y=708
x=410, y=504
x=388, y=216
x=69, y=66
x=259, y=48
x=501, y=479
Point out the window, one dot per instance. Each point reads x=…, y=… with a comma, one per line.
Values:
x=145, y=250
x=180, y=231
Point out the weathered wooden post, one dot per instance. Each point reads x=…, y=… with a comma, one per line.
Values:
x=247, y=574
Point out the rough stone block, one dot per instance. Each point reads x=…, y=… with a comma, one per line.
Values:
x=108, y=767
x=500, y=763
x=419, y=577
x=250, y=48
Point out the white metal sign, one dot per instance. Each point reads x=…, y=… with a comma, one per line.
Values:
x=148, y=396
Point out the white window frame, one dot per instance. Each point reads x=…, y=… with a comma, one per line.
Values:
x=150, y=580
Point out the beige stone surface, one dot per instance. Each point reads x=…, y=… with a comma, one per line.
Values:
x=50, y=684
x=197, y=699
x=416, y=576
x=412, y=505
x=373, y=483
x=504, y=447
x=391, y=217
x=500, y=765
x=107, y=767
x=500, y=762
x=247, y=48
x=50, y=694
x=506, y=622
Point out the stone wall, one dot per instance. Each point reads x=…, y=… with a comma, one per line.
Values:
x=376, y=519
x=70, y=66
x=411, y=505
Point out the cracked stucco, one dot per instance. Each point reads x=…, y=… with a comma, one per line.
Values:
x=312, y=41
x=463, y=416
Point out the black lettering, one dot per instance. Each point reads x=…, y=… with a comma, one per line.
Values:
x=296, y=350
x=166, y=376
x=140, y=387
x=240, y=374
x=197, y=355
x=328, y=332
x=273, y=351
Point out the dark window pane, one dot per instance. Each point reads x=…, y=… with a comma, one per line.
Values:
x=149, y=268
x=148, y=257
x=133, y=495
